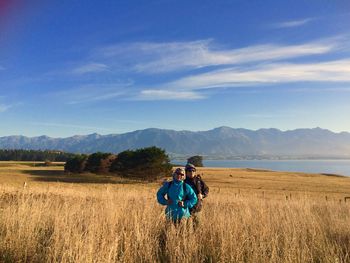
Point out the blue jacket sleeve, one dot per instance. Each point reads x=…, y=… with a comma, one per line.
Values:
x=190, y=196
x=161, y=194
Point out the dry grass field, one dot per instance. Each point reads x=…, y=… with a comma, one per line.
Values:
x=249, y=216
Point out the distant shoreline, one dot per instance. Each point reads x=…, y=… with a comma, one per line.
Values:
x=345, y=158
x=320, y=166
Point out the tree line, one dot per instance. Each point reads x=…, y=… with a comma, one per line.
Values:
x=34, y=155
x=146, y=163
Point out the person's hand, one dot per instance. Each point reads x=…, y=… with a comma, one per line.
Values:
x=169, y=201
x=200, y=196
x=181, y=203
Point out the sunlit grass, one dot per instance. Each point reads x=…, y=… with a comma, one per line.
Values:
x=250, y=216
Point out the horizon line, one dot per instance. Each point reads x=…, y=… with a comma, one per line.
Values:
x=150, y=128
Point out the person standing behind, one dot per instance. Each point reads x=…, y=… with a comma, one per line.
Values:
x=199, y=187
x=180, y=197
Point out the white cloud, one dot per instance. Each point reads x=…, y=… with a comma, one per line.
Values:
x=275, y=73
x=172, y=56
x=333, y=71
x=90, y=68
x=225, y=68
x=168, y=95
x=293, y=23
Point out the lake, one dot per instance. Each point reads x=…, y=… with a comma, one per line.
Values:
x=341, y=167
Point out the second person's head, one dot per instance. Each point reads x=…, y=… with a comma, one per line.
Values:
x=190, y=170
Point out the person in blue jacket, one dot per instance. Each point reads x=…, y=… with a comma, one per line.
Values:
x=178, y=196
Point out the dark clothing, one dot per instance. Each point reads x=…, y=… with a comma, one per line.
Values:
x=199, y=187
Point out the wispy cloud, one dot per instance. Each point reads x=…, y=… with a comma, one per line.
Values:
x=94, y=93
x=90, y=68
x=253, y=65
x=154, y=58
x=4, y=107
x=84, y=98
x=333, y=71
x=292, y=23
x=168, y=95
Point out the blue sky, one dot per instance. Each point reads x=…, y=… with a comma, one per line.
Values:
x=79, y=67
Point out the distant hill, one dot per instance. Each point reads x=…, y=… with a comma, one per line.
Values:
x=222, y=142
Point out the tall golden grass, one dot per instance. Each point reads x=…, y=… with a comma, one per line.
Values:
x=60, y=222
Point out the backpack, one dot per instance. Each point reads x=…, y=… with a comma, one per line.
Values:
x=183, y=187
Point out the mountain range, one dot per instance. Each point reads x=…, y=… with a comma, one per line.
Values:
x=222, y=142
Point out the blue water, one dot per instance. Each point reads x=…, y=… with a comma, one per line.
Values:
x=340, y=167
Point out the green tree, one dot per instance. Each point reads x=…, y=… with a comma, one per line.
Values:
x=147, y=163
x=99, y=162
x=76, y=164
x=196, y=160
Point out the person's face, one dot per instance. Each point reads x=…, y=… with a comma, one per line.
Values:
x=180, y=176
x=190, y=173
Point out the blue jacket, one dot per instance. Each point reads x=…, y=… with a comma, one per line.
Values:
x=176, y=193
